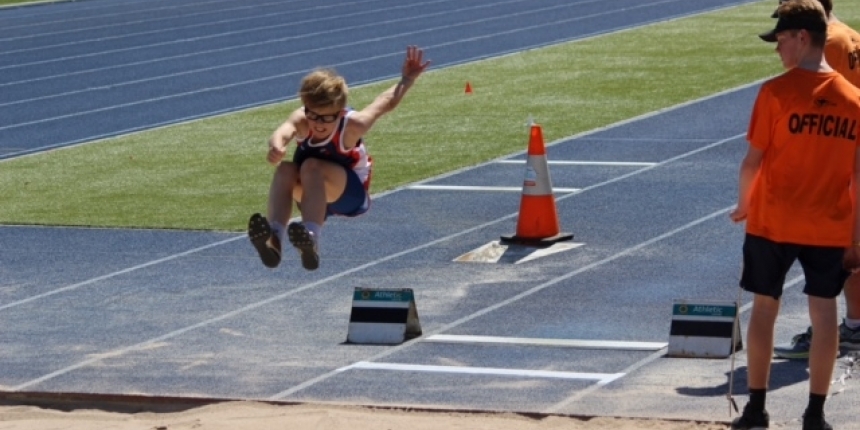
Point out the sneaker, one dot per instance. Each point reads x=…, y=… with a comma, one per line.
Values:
x=304, y=242
x=752, y=420
x=267, y=244
x=815, y=423
x=848, y=338
x=797, y=349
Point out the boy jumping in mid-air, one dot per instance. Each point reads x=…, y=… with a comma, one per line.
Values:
x=329, y=173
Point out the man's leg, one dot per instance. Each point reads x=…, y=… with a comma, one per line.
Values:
x=822, y=358
x=759, y=352
x=849, y=331
x=760, y=340
x=825, y=344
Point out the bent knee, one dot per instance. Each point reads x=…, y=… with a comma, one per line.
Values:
x=286, y=173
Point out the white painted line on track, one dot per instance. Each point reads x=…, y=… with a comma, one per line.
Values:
x=311, y=35
x=92, y=12
x=515, y=298
x=297, y=53
x=585, y=163
x=311, y=23
x=564, y=343
x=117, y=273
x=482, y=188
x=580, y=38
x=558, y=407
x=94, y=358
x=272, y=77
x=641, y=363
x=523, y=373
x=117, y=20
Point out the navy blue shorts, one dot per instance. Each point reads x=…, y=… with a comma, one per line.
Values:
x=766, y=264
x=355, y=199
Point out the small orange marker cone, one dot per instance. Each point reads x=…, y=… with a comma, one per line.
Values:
x=468, y=88
x=537, y=224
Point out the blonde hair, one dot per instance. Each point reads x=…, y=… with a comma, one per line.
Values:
x=323, y=88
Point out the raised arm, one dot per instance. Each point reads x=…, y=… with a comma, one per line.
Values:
x=413, y=66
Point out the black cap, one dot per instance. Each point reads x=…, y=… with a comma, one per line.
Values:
x=776, y=11
x=806, y=20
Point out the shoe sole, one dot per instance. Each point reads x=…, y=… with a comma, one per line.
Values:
x=260, y=234
x=301, y=239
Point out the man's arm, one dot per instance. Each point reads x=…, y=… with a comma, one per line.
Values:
x=749, y=169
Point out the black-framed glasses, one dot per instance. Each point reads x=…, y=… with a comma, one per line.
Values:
x=326, y=119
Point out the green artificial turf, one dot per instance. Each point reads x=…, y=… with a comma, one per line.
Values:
x=212, y=173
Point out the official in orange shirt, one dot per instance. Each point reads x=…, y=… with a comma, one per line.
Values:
x=795, y=186
x=842, y=52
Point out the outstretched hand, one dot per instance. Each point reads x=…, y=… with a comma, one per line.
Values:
x=414, y=63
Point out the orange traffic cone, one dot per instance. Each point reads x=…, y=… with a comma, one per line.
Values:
x=537, y=224
x=468, y=88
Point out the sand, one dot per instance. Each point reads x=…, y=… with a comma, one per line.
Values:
x=259, y=415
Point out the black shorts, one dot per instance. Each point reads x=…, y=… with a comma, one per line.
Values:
x=766, y=264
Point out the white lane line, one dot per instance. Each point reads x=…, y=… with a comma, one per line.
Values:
x=564, y=343
x=503, y=303
x=273, y=77
x=118, y=20
x=145, y=344
x=327, y=47
x=584, y=37
x=523, y=373
x=482, y=188
x=280, y=76
x=93, y=358
x=585, y=163
x=311, y=23
x=94, y=13
x=117, y=273
x=558, y=407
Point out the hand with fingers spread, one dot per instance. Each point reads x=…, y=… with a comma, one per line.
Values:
x=414, y=63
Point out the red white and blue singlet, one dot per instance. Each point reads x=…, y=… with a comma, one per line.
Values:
x=357, y=162
x=356, y=159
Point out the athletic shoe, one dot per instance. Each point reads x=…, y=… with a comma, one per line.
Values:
x=304, y=242
x=848, y=338
x=267, y=244
x=798, y=349
x=815, y=423
x=752, y=420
